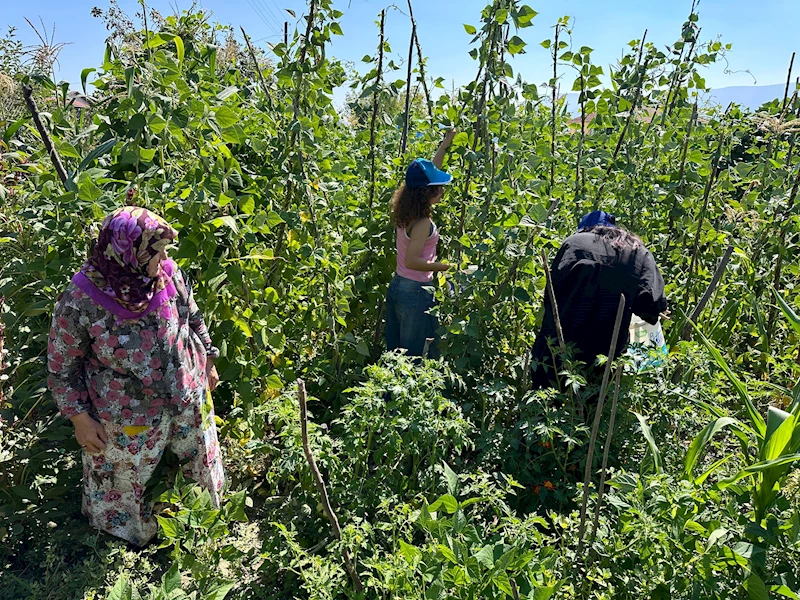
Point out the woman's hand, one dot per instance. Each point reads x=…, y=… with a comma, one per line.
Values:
x=211, y=374
x=91, y=434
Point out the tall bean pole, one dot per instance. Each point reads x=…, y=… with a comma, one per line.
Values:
x=373, y=120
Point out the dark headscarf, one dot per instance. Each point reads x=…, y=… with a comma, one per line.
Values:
x=116, y=275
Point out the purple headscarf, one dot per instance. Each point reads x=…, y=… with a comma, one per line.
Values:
x=116, y=275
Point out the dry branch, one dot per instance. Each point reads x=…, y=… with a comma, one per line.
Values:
x=27, y=93
x=596, y=425
x=320, y=482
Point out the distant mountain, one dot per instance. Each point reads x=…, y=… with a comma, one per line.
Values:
x=749, y=96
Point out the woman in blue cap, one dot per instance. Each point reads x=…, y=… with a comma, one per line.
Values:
x=408, y=320
x=590, y=271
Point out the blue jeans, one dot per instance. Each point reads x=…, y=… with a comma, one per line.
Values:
x=408, y=320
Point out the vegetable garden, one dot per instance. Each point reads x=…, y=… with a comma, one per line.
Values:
x=450, y=479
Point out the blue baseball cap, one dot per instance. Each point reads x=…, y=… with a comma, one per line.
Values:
x=597, y=217
x=423, y=173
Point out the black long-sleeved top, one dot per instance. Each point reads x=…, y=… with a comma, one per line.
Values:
x=589, y=274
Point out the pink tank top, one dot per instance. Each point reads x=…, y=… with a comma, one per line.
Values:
x=428, y=253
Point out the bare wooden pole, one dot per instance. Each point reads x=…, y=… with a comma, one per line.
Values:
x=286, y=33
x=320, y=483
x=723, y=264
x=421, y=62
x=404, y=139
x=252, y=53
x=27, y=93
x=788, y=82
x=606, y=450
x=587, y=473
x=552, y=295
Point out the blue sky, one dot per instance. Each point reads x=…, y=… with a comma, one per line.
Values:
x=763, y=33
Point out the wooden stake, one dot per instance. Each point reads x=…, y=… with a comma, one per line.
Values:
x=404, y=138
x=723, y=263
x=606, y=451
x=788, y=82
x=597, y=416
x=320, y=482
x=552, y=295
x=27, y=93
x=421, y=63
x=255, y=66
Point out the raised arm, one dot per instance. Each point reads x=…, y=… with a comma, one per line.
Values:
x=438, y=159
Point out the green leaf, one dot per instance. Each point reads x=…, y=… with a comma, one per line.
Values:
x=218, y=590
x=247, y=205
x=122, y=590
x=756, y=589
x=794, y=319
x=447, y=553
x=171, y=580
x=84, y=75
x=169, y=527
x=227, y=221
x=336, y=29
x=362, y=348
x=179, y=47
x=235, y=509
x=409, y=552
x=485, y=556
x=756, y=419
x=699, y=443
x=243, y=326
x=648, y=435
x=274, y=382
x=501, y=582
x=101, y=150
x=225, y=117
x=525, y=15
x=780, y=427
x=452, y=479
x=515, y=45
x=87, y=190
x=547, y=43
x=470, y=29
x=448, y=501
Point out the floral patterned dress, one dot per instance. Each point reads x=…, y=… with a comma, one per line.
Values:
x=145, y=380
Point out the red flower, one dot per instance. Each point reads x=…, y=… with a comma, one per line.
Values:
x=112, y=341
x=115, y=385
x=68, y=339
x=127, y=413
x=138, y=356
x=62, y=322
x=155, y=362
x=125, y=401
x=536, y=489
x=75, y=352
x=96, y=331
x=549, y=485
x=121, y=353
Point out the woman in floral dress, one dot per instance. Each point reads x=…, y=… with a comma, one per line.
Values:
x=131, y=365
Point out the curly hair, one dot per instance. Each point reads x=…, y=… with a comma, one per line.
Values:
x=411, y=204
x=619, y=238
